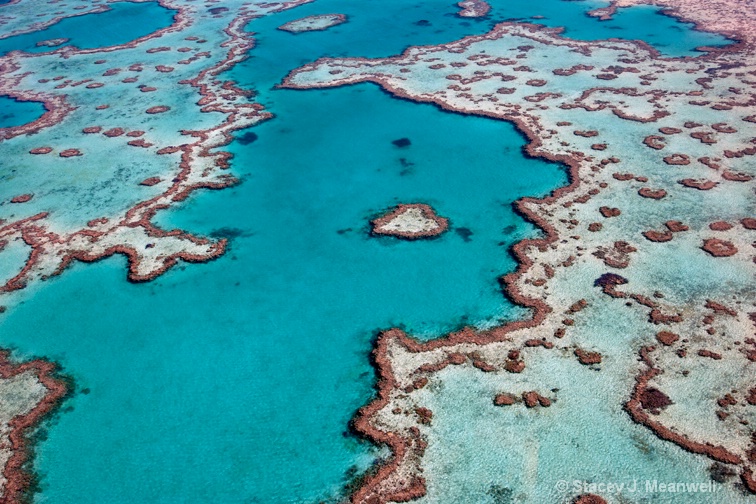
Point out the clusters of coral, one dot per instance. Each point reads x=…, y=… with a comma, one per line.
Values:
x=658, y=219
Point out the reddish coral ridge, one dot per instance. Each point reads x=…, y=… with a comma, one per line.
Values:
x=169, y=150
x=658, y=236
x=114, y=132
x=654, y=141
x=41, y=150
x=70, y=153
x=15, y=472
x=159, y=109
x=647, y=399
x=22, y=198
x=150, y=181
x=710, y=354
x=676, y=226
x=651, y=193
x=701, y=185
x=677, y=159
x=609, y=212
x=533, y=399
x=427, y=212
x=589, y=499
x=720, y=226
x=667, y=338
x=587, y=358
x=140, y=142
x=504, y=399
x=719, y=248
x=654, y=400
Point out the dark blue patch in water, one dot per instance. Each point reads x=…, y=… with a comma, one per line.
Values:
x=17, y=113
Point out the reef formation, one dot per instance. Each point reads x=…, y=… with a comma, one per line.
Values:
x=159, y=105
x=657, y=219
x=313, y=23
x=131, y=97
x=410, y=221
x=29, y=392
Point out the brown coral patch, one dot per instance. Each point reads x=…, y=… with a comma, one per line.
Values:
x=701, y=185
x=114, y=132
x=653, y=399
x=589, y=499
x=654, y=141
x=23, y=198
x=709, y=354
x=504, y=399
x=719, y=248
x=676, y=226
x=720, y=226
x=677, y=159
x=670, y=131
x=667, y=338
x=587, y=358
x=586, y=134
x=151, y=181
x=647, y=192
x=736, y=176
x=657, y=236
x=159, y=109
x=609, y=212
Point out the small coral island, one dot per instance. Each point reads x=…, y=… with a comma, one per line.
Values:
x=473, y=8
x=410, y=221
x=313, y=23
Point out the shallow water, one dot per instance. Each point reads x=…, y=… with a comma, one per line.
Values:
x=234, y=381
x=285, y=319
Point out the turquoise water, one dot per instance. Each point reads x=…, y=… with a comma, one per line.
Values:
x=125, y=21
x=234, y=381
x=385, y=28
x=219, y=355
x=16, y=113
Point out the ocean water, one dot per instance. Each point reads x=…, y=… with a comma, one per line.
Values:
x=234, y=381
x=17, y=113
x=125, y=21
x=385, y=28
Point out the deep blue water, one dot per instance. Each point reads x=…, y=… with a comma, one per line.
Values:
x=125, y=21
x=16, y=113
x=234, y=381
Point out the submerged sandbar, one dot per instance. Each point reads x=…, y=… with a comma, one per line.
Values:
x=410, y=221
x=313, y=23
